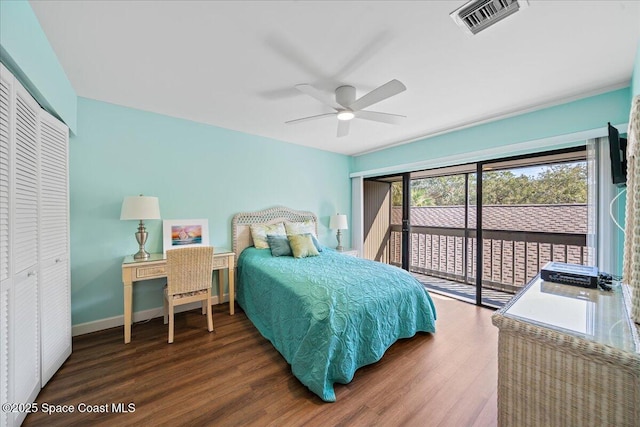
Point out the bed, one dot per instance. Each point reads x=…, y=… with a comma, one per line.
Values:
x=328, y=314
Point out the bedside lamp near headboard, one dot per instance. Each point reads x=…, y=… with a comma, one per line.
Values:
x=338, y=222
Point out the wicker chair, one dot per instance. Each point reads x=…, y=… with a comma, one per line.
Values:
x=188, y=280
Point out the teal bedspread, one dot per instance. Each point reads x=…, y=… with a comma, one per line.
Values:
x=331, y=314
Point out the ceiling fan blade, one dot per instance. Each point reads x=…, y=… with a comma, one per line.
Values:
x=320, y=96
x=304, y=119
x=392, y=119
x=343, y=128
x=381, y=93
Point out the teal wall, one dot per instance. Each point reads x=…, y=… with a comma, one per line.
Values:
x=25, y=50
x=580, y=115
x=635, y=79
x=196, y=171
x=200, y=171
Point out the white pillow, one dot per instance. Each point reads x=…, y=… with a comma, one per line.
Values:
x=303, y=227
x=259, y=233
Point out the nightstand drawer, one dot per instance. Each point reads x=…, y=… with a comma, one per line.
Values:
x=220, y=262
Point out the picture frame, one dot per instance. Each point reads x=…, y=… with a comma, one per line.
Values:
x=184, y=233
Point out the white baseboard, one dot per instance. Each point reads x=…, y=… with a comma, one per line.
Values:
x=139, y=316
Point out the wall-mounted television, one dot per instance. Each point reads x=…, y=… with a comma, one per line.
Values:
x=618, y=154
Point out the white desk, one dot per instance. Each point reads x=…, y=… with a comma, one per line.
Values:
x=155, y=268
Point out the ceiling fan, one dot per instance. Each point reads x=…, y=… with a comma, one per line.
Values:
x=348, y=107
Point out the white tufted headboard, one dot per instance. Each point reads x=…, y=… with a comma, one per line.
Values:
x=243, y=220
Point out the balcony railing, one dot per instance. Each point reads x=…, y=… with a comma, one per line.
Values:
x=510, y=258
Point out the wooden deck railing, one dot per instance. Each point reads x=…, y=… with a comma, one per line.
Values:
x=511, y=258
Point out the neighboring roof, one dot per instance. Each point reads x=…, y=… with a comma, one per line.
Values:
x=569, y=218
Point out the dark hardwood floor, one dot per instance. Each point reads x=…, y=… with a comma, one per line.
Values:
x=234, y=376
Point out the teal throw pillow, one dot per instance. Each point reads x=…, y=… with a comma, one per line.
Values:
x=279, y=245
x=315, y=242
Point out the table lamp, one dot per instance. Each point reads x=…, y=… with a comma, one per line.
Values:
x=338, y=222
x=140, y=208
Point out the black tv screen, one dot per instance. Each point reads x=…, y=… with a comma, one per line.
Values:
x=618, y=154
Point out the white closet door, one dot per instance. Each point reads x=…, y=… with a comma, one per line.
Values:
x=35, y=306
x=24, y=326
x=6, y=280
x=5, y=93
x=25, y=343
x=55, y=298
x=54, y=227
x=25, y=230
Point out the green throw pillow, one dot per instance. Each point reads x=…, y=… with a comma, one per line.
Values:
x=302, y=246
x=316, y=243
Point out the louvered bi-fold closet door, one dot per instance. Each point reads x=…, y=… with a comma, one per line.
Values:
x=5, y=91
x=24, y=352
x=55, y=298
x=6, y=280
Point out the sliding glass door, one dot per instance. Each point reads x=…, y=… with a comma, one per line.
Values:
x=480, y=232
x=534, y=210
x=386, y=220
x=442, y=229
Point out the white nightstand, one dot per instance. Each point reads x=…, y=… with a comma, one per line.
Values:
x=352, y=252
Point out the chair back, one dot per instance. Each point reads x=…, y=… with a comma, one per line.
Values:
x=189, y=269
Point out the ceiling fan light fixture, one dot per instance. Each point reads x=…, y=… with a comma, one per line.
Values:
x=346, y=107
x=345, y=115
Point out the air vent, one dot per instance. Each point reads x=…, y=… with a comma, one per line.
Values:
x=477, y=15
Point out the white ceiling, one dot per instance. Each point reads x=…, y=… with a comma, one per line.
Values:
x=234, y=64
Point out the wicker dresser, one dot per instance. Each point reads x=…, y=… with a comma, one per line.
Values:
x=568, y=356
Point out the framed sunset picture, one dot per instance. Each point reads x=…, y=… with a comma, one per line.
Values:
x=184, y=233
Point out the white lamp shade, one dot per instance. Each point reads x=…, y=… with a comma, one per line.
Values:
x=140, y=207
x=338, y=222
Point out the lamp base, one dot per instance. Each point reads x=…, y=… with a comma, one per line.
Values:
x=141, y=238
x=339, y=237
x=141, y=254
